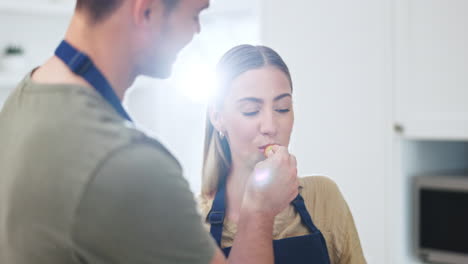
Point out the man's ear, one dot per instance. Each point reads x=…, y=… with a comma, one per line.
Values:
x=145, y=10
x=216, y=118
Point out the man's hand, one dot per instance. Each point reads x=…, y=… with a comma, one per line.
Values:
x=273, y=183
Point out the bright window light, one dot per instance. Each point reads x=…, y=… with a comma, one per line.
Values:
x=196, y=81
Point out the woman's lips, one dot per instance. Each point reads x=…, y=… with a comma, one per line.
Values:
x=262, y=148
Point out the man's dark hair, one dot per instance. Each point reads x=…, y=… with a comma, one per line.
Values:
x=100, y=9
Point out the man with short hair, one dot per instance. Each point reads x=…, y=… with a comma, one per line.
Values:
x=78, y=183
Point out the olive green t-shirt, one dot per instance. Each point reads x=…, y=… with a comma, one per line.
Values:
x=79, y=184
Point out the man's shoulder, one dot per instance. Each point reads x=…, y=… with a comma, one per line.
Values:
x=140, y=169
x=144, y=152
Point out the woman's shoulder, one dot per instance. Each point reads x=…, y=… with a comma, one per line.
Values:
x=333, y=217
x=204, y=204
x=318, y=183
x=320, y=190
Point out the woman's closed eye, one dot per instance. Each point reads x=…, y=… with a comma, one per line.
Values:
x=250, y=112
x=283, y=110
x=254, y=112
x=250, y=108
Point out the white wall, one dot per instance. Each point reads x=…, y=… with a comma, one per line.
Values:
x=36, y=34
x=173, y=119
x=339, y=53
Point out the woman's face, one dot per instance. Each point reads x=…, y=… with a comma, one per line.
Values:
x=257, y=111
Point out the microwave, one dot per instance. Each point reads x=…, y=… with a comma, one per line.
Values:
x=441, y=218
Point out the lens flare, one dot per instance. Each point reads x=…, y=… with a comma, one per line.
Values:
x=262, y=177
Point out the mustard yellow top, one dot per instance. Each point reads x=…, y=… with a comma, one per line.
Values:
x=329, y=211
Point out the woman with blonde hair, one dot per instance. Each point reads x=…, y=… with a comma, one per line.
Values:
x=252, y=111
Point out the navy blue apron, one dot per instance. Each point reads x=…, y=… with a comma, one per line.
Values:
x=308, y=249
x=81, y=64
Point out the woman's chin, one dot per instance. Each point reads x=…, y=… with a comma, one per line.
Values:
x=258, y=158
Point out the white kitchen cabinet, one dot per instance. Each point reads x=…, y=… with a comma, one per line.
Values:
x=432, y=69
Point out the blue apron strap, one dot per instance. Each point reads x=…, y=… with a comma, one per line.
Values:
x=217, y=213
x=82, y=65
x=299, y=204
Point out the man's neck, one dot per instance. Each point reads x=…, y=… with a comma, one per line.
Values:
x=105, y=49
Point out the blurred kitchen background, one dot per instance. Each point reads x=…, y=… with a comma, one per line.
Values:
x=381, y=94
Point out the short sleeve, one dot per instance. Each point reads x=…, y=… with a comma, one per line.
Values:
x=326, y=200
x=139, y=209
x=352, y=250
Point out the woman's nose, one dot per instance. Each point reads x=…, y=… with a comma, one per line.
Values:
x=268, y=124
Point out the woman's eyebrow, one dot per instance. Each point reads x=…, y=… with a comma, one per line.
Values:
x=258, y=100
x=250, y=99
x=279, y=97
